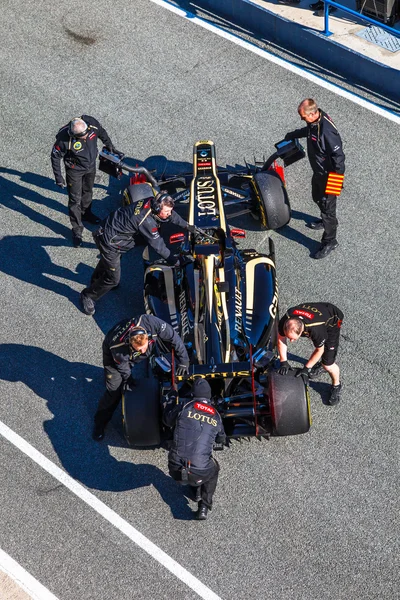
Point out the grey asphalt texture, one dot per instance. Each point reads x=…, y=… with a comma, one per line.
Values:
x=308, y=517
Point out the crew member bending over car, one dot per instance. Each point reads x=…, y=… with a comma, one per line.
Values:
x=321, y=322
x=326, y=156
x=131, y=341
x=117, y=236
x=76, y=144
x=197, y=426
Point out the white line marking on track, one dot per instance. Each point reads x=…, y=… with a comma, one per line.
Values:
x=387, y=114
x=111, y=516
x=26, y=582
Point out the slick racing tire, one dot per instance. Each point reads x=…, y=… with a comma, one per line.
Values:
x=141, y=413
x=271, y=200
x=136, y=192
x=289, y=404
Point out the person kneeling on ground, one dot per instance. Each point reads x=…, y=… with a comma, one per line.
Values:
x=197, y=426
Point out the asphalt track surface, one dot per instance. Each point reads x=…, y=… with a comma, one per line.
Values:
x=308, y=517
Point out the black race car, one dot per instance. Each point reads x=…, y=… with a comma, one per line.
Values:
x=223, y=301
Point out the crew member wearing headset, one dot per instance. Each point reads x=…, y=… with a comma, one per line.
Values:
x=76, y=144
x=117, y=236
x=131, y=341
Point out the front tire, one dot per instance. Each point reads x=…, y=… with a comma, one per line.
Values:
x=141, y=413
x=271, y=199
x=289, y=404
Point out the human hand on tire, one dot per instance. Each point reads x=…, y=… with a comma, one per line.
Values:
x=304, y=373
x=284, y=368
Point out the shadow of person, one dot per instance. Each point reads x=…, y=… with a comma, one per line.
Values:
x=27, y=259
x=71, y=390
x=323, y=389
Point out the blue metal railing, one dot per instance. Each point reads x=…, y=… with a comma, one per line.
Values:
x=328, y=3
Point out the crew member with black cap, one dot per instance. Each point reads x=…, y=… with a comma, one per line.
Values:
x=197, y=425
x=131, y=341
x=326, y=156
x=117, y=236
x=321, y=322
x=76, y=144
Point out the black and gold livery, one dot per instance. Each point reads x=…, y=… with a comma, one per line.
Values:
x=223, y=301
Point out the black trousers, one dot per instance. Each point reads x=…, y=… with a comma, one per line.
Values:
x=208, y=477
x=106, y=275
x=112, y=396
x=80, y=189
x=327, y=206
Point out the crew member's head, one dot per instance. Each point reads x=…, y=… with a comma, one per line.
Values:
x=139, y=340
x=293, y=328
x=162, y=206
x=308, y=110
x=78, y=128
x=201, y=389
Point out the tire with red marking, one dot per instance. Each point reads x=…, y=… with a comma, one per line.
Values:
x=271, y=200
x=289, y=404
x=141, y=413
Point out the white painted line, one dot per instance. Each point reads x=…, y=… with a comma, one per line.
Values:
x=111, y=516
x=339, y=91
x=21, y=577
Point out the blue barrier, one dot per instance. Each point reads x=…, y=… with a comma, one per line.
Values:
x=328, y=3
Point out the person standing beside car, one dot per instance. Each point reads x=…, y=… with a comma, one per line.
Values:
x=117, y=236
x=76, y=145
x=321, y=322
x=129, y=342
x=327, y=160
x=197, y=425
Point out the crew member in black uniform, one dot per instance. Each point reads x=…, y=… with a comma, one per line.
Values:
x=131, y=341
x=76, y=144
x=117, y=236
x=326, y=156
x=197, y=426
x=321, y=322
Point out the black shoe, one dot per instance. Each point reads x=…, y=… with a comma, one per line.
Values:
x=87, y=304
x=98, y=433
x=325, y=249
x=89, y=217
x=335, y=394
x=317, y=5
x=76, y=240
x=202, y=513
x=315, y=225
x=315, y=371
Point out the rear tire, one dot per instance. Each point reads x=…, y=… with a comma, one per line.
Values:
x=289, y=404
x=141, y=413
x=272, y=202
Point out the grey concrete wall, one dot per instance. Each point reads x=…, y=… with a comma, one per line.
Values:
x=308, y=43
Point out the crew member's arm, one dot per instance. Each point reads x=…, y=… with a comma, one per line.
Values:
x=297, y=133
x=177, y=220
x=315, y=357
x=149, y=230
x=168, y=334
x=221, y=435
x=101, y=132
x=58, y=152
x=172, y=409
x=318, y=336
x=282, y=348
x=334, y=149
x=121, y=361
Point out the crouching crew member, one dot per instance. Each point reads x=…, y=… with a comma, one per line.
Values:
x=197, y=426
x=321, y=322
x=117, y=236
x=76, y=144
x=326, y=156
x=127, y=343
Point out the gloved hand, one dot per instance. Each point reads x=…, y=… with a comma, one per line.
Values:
x=182, y=370
x=289, y=136
x=130, y=384
x=61, y=183
x=284, y=368
x=191, y=228
x=304, y=372
x=113, y=150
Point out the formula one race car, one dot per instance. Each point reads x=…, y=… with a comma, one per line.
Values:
x=223, y=301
